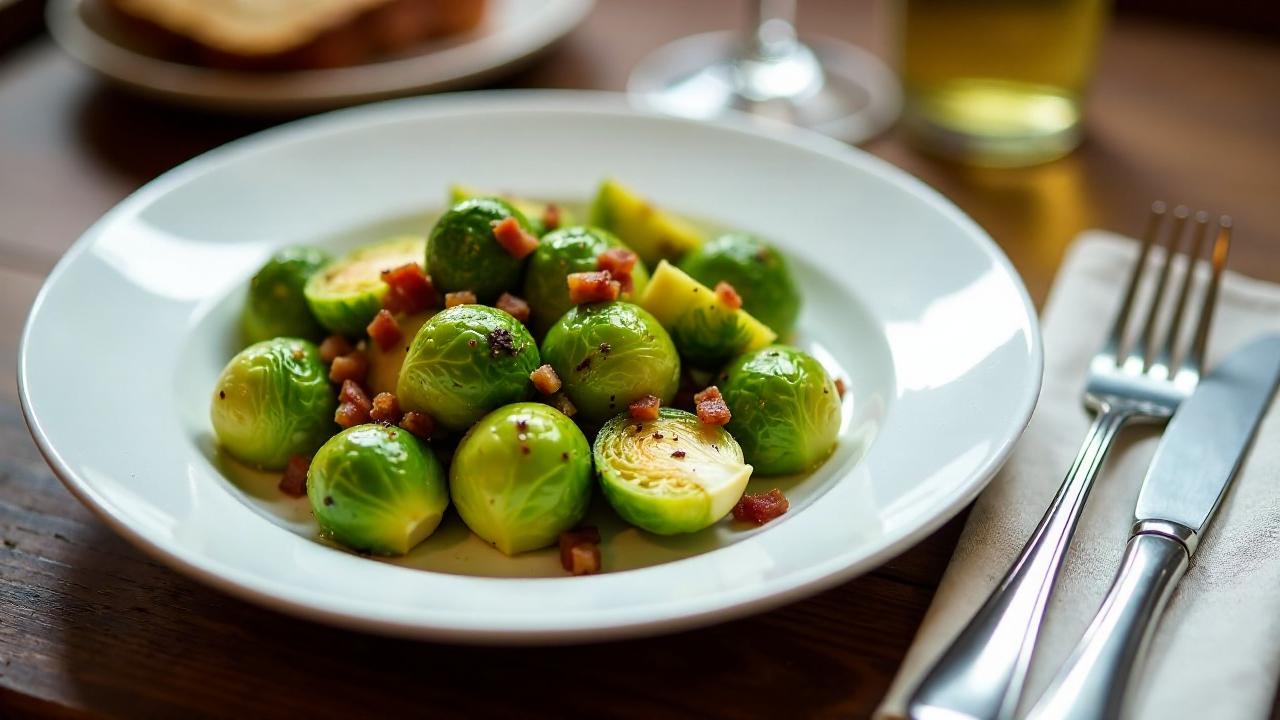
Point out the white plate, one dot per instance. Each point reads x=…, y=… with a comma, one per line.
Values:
x=513, y=31
x=904, y=295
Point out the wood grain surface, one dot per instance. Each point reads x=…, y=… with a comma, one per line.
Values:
x=91, y=626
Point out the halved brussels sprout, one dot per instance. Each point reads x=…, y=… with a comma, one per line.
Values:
x=276, y=306
x=384, y=365
x=654, y=234
x=756, y=270
x=610, y=354
x=377, y=489
x=273, y=401
x=533, y=211
x=786, y=410
x=707, y=331
x=464, y=362
x=560, y=253
x=347, y=293
x=670, y=475
x=521, y=476
x=463, y=254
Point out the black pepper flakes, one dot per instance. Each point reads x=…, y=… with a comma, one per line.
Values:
x=524, y=449
x=501, y=343
x=564, y=456
x=586, y=363
x=328, y=500
x=605, y=349
x=678, y=454
x=471, y=343
x=222, y=394
x=657, y=436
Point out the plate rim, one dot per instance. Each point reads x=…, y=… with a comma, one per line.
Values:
x=835, y=570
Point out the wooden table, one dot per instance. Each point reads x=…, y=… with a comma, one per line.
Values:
x=88, y=625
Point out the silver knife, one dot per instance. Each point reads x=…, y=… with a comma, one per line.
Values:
x=1199, y=455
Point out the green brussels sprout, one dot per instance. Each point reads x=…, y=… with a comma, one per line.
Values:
x=756, y=270
x=384, y=365
x=609, y=355
x=273, y=401
x=535, y=212
x=347, y=293
x=521, y=476
x=377, y=489
x=463, y=254
x=464, y=362
x=786, y=410
x=706, y=330
x=276, y=306
x=670, y=475
x=571, y=250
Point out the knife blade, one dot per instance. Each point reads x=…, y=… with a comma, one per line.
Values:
x=1198, y=457
x=1205, y=443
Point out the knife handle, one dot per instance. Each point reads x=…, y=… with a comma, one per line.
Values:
x=1092, y=683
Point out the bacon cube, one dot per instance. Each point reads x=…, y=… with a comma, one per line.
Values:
x=384, y=330
x=409, y=289
x=517, y=241
x=352, y=366
x=711, y=407
x=515, y=306
x=761, y=507
x=334, y=347
x=385, y=409
x=294, y=481
x=580, y=551
x=645, y=409
x=545, y=380
x=420, y=424
x=462, y=297
x=589, y=287
x=727, y=295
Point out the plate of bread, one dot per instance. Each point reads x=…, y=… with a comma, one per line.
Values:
x=283, y=56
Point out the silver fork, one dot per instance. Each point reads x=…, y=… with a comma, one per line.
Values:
x=1143, y=380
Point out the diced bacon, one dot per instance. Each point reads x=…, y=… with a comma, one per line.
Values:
x=727, y=295
x=562, y=403
x=353, y=405
x=294, y=481
x=711, y=407
x=515, y=306
x=580, y=551
x=551, y=217
x=384, y=330
x=349, y=415
x=645, y=409
x=589, y=287
x=619, y=261
x=333, y=347
x=840, y=387
x=385, y=409
x=545, y=380
x=761, y=507
x=352, y=366
x=420, y=424
x=517, y=241
x=409, y=289
x=462, y=297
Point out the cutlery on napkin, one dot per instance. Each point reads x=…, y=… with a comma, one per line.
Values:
x=1217, y=651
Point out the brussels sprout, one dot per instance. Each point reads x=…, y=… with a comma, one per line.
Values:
x=463, y=254
x=377, y=489
x=707, y=331
x=521, y=476
x=756, y=270
x=786, y=411
x=384, y=365
x=534, y=212
x=273, y=401
x=346, y=294
x=276, y=306
x=610, y=354
x=464, y=362
x=671, y=475
x=654, y=234
x=562, y=252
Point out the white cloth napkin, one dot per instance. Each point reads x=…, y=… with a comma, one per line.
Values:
x=1216, y=652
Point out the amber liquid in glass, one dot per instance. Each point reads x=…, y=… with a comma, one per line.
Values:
x=999, y=82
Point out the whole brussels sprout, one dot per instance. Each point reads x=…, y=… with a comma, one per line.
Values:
x=521, y=476
x=670, y=475
x=462, y=253
x=534, y=211
x=347, y=293
x=273, y=401
x=464, y=362
x=786, y=411
x=571, y=250
x=377, y=489
x=610, y=354
x=756, y=270
x=276, y=306
x=384, y=365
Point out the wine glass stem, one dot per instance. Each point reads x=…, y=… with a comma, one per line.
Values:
x=773, y=30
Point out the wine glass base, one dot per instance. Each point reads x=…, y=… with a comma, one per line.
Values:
x=857, y=99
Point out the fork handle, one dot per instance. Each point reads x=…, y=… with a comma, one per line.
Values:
x=1092, y=683
x=981, y=674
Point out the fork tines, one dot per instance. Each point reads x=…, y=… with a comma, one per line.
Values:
x=1156, y=349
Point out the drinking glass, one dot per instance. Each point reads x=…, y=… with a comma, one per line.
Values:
x=826, y=85
x=998, y=82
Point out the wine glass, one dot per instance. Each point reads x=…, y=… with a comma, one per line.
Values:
x=826, y=85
